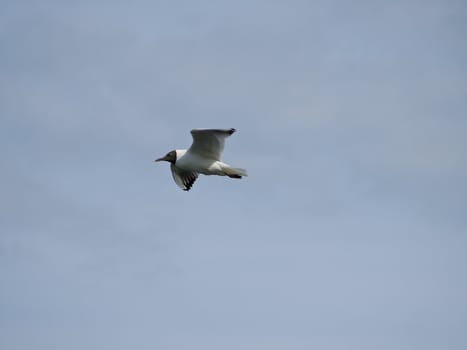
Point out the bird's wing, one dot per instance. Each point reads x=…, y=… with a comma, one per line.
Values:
x=209, y=143
x=184, y=179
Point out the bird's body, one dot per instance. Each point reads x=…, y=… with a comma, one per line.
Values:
x=191, y=161
x=203, y=157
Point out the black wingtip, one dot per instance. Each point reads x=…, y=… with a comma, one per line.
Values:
x=232, y=130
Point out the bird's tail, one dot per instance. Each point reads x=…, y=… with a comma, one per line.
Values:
x=235, y=173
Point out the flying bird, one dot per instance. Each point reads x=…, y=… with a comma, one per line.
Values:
x=203, y=157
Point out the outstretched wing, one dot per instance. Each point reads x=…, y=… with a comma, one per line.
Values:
x=184, y=179
x=209, y=143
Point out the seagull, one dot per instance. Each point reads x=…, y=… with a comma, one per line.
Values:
x=203, y=157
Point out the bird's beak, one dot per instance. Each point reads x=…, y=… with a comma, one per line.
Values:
x=160, y=159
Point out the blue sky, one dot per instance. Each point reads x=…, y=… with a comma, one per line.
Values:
x=349, y=233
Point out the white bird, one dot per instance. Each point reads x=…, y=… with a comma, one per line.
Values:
x=203, y=157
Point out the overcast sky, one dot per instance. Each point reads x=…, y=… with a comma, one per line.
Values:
x=349, y=233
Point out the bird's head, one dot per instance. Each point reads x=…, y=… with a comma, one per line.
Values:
x=170, y=157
